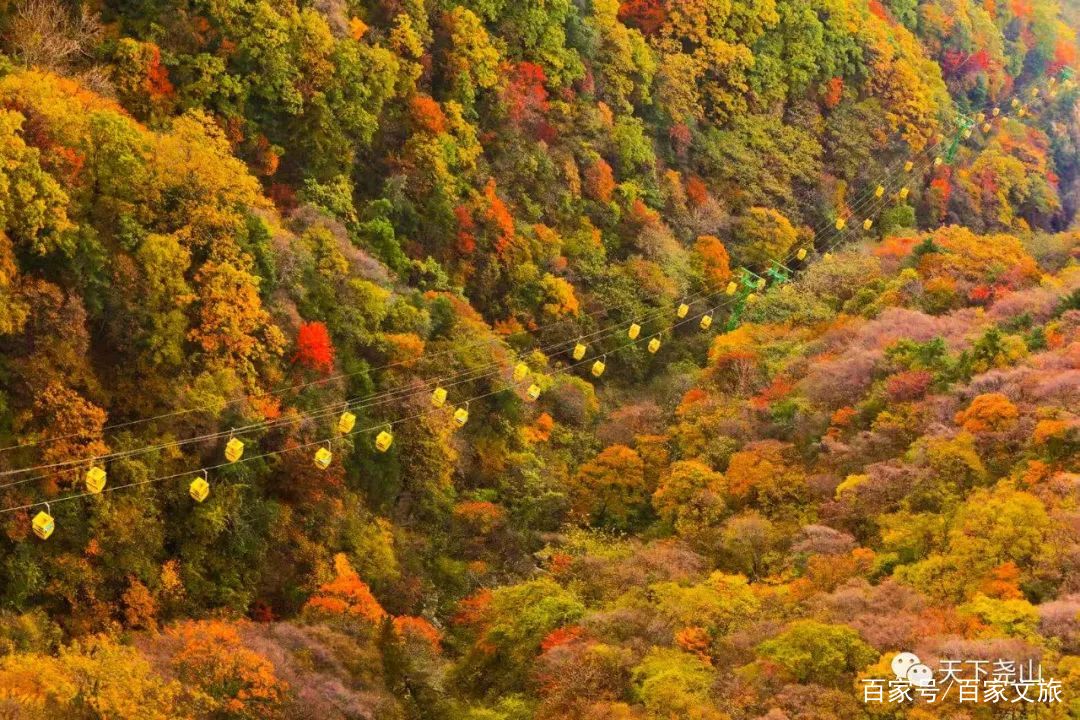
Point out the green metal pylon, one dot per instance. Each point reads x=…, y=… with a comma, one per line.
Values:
x=735, y=316
x=963, y=125
x=751, y=282
x=778, y=272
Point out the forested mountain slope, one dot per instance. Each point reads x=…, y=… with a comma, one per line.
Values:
x=237, y=219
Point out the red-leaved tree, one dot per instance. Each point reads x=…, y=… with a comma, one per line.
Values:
x=314, y=348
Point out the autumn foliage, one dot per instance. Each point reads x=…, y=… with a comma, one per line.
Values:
x=225, y=220
x=241, y=683
x=346, y=595
x=314, y=349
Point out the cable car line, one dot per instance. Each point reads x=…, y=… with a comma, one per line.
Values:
x=599, y=364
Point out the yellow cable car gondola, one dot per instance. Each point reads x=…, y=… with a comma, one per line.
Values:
x=533, y=393
x=95, y=479
x=384, y=440
x=683, y=310
x=234, y=449
x=654, y=345
x=521, y=371
x=461, y=415
x=996, y=112
x=199, y=489
x=801, y=255
x=346, y=423
x=909, y=166
x=706, y=321
x=879, y=191
x=938, y=161
x=438, y=397
x=987, y=127
x=579, y=351
x=634, y=331
x=751, y=298
x=731, y=288
x=323, y=457
x=43, y=523
x=598, y=367
x=981, y=117
x=867, y=224
x=904, y=193
x=840, y=223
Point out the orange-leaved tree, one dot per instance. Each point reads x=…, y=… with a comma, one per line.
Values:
x=610, y=490
x=211, y=656
x=346, y=594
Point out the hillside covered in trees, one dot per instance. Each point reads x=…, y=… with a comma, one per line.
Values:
x=274, y=228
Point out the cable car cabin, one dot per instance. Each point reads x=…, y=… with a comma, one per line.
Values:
x=761, y=284
x=234, y=450
x=867, y=224
x=937, y=161
x=731, y=288
x=967, y=134
x=996, y=112
x=986, y=127
x=751, y=298
x=521, y=371
x=43, y=525
x=461, y=416
x=840, y=224
x=903, y=193
x=634, y=331
x=598, y=368
x=879, y=191
x=95, y=479
x=1015, y=102
x=654, y=345
x=199, y=489
x=579, y=351
x=383, y=441
x=533, y=393
x=323, y=458
x=438, y=397
x=1022, y=112
x=909, y=166
x=801, y=255
x=1034, y=92
x=706, y=321
x=827, y=256
x=683, y=310
x=981, y=117
x=346, y=423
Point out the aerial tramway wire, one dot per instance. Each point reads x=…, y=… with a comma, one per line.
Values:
x=882, y=198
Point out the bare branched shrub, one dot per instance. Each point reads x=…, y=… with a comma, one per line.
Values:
x=49, y=35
